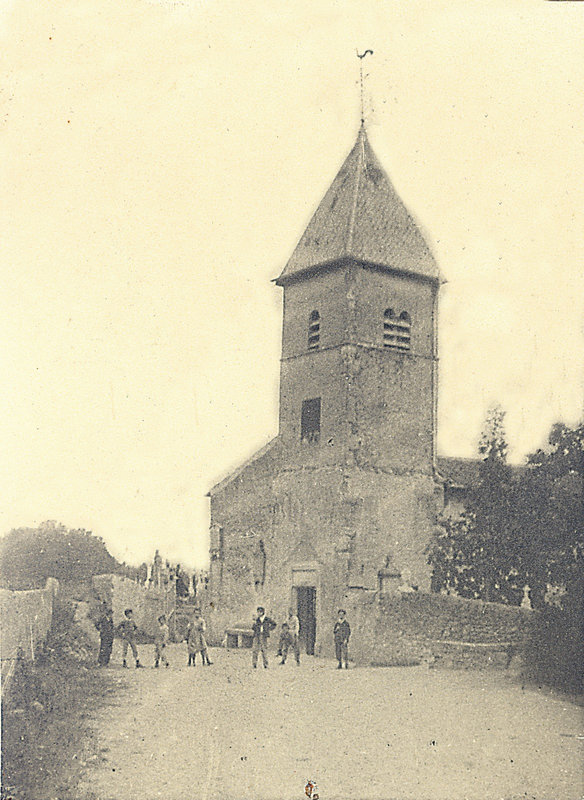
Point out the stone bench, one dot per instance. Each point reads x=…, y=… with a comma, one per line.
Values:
x=238, y=637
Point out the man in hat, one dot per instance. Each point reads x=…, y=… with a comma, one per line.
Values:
x=262, y=627
x=105, y=626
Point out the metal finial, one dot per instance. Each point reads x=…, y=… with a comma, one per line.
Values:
x=361, y=56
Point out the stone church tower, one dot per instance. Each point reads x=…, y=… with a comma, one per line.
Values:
x=347, y=489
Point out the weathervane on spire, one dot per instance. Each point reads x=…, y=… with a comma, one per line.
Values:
x=361, y=56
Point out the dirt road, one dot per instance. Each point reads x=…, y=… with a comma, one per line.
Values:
x=228, y=731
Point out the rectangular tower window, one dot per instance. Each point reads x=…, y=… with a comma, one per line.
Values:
x=310, y=421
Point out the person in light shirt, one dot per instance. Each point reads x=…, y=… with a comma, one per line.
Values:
x=161, y=638
x=294, y=630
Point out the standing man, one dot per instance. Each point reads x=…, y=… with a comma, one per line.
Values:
x=262, y=628
x=294, y=629
x=342, y=631
x=105, y=626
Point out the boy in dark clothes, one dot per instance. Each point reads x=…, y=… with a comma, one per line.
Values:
x=105, y=626
x=342, y=631
x=127, y=630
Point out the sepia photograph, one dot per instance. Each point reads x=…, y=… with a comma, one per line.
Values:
x=293, y=400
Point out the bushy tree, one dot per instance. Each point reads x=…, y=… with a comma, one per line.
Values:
x=548, y=516
x=28, y=556
x=517, y=530
x=471, y=555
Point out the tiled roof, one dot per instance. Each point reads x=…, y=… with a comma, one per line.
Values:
x=231, y=476
x=459, y=471
x=362, y=217
x=465, y=471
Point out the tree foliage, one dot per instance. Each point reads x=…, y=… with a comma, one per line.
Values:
x=28, y=556
x=522, y=527
x=548, y=515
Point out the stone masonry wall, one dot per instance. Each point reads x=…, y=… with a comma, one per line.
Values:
x=437, y=629
x=342, y=523
x=121, y=593
x=26, y=618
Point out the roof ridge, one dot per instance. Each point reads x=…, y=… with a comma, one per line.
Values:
x=235, y=473
x=360, y=165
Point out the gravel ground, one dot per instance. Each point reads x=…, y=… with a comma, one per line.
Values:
x=228, y=731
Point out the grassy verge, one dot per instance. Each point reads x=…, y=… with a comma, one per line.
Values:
x=46, y=741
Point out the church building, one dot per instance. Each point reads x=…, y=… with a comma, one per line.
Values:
x=347, y=494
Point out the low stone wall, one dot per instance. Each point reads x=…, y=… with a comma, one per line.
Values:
x=439, y=630
x=26, y=618
x=146, y=603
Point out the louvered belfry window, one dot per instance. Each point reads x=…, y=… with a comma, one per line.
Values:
x=313, y=330
x=396, y=329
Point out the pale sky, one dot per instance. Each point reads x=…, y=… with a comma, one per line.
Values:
x=160, y=161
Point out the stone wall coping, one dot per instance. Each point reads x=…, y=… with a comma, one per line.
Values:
x=51, y=584
x=456, y=600
x=472, y=644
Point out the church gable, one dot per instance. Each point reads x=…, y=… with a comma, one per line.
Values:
x=253, y=465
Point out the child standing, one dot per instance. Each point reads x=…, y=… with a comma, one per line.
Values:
x=128, y=629
x=161, y=638
x=294, y=628
x=196, y=640
x=284, y=643
x=341, y=633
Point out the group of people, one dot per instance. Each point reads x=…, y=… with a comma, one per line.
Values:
x=289, y=637
x=128, y=632
x=262, y=627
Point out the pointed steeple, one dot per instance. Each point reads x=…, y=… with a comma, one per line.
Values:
x=361, y=217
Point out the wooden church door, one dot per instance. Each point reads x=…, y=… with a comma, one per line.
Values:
x=306, y=610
